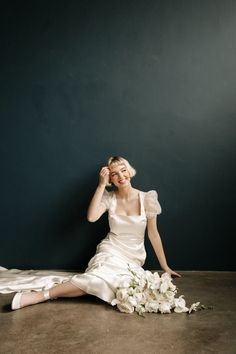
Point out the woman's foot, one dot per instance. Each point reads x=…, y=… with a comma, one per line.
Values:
x=23, y=299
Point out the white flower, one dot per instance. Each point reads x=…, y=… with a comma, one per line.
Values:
x=153, y=280
x=125, y=307
x=180, y=305
x=132, y=301
x=139, y=281
x=164, y=286
x=114, y=302
x=122, y=294
x=148, y=295
x=165, y=307
x=140, y=309
x=157, y=295
x=194, y=307
x=144, y=291
x=138, y=297
x=172, y=287
x=152, y=306
x=131, y=291
x=169, y=295
x=166, y=276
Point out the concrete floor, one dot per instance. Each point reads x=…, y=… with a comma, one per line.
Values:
x=88, y=325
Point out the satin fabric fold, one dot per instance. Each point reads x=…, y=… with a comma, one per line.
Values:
x=13, y=280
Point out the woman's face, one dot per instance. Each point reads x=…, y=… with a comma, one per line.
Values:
x=119, y=176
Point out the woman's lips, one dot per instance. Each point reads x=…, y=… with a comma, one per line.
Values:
x=122, y=181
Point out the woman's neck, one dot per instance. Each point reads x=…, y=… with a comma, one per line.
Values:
x=125, y=192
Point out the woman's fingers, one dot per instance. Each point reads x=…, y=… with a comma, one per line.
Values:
x=104, y=175
x=176, y=274
x=172, y=273
x=104, y=171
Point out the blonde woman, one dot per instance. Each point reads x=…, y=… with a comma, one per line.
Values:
x=130, y=211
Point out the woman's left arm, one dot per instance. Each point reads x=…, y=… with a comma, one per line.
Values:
x=156, y=242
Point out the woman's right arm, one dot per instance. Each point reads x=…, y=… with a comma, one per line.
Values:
x=96, y=208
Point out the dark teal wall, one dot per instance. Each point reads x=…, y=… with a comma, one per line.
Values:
x=154, y=81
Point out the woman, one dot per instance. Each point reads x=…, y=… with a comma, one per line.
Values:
x=130, y=212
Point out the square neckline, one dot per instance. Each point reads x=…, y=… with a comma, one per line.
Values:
x=140, y=205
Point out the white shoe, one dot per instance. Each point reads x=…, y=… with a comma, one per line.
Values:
x=15, y=305
x=16, y=302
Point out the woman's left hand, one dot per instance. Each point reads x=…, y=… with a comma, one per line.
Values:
x=172, y=273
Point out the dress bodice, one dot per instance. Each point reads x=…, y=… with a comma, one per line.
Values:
x=124, y=225
x=126, y=236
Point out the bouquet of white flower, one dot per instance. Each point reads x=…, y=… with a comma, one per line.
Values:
x=143, y=291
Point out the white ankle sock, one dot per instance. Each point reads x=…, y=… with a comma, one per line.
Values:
x=46, y=295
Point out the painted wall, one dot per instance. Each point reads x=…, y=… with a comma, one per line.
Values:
x=154, y=81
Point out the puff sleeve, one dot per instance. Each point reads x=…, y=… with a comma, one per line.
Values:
x=151, y=204
x=106, y=199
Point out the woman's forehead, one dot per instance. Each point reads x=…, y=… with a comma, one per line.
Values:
x=115, y=168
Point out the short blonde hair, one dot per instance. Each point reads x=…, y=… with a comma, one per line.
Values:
x=118, y=160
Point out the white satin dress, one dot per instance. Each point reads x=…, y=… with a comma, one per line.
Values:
x=123, y=246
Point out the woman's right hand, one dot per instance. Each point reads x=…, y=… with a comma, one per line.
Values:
x=104, y=174
x=96, y=208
